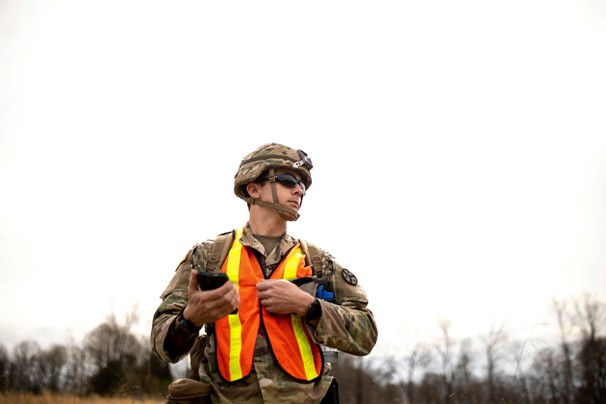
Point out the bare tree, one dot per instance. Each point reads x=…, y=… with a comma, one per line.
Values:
x=24, y=355
x=520, y=384
x=464, y=379
x=592, y=355
x=4, y=367
x=559, y=307
x=112, y=342
x=590, y=316
x=445, y=357
x=429, y=388
x=49, y=368
x=419, y=357
x=117, y=357
x=361, y=381
x=548, y=375
x=592, y=358
x=493, y=343
x=77, y=371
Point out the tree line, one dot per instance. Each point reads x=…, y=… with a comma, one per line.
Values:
x=112, y=361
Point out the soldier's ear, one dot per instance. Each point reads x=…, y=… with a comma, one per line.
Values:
x=254, y=190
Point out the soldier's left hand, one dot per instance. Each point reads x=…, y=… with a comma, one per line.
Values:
x=283, y=297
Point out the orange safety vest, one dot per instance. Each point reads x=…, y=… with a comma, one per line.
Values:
x=235, y=334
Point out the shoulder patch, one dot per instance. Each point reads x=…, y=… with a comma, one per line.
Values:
x=349, y=277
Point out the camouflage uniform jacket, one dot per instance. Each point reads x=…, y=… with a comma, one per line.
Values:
x=346, y=325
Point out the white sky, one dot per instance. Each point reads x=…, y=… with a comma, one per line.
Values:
x=459, y=152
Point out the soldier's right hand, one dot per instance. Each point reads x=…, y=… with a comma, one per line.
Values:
x=208, y=306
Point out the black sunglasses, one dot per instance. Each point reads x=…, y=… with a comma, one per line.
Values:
x=288, y=180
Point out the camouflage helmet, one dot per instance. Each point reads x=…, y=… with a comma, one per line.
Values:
x=271, y=155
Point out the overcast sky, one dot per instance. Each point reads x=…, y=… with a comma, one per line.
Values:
x=459, y=152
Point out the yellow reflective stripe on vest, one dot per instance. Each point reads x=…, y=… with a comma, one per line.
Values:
x=304, y=347
x=290, y=272
x=235, y=335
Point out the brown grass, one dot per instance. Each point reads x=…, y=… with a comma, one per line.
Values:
x=28, y=398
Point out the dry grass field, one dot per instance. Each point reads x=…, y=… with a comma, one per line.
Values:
x=65, y=399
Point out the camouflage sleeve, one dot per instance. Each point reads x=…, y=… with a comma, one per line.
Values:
x=174, y=299
x=347, y=325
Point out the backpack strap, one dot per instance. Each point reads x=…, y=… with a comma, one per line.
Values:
x=313, y=256
x=219, y=251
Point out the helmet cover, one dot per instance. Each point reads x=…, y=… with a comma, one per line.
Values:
x=271, y=155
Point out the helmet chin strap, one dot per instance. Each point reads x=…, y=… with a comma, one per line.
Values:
x=285, y=212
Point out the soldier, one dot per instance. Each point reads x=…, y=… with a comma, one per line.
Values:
x=263, y=330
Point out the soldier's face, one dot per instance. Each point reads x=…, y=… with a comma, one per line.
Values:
x=289, y=188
